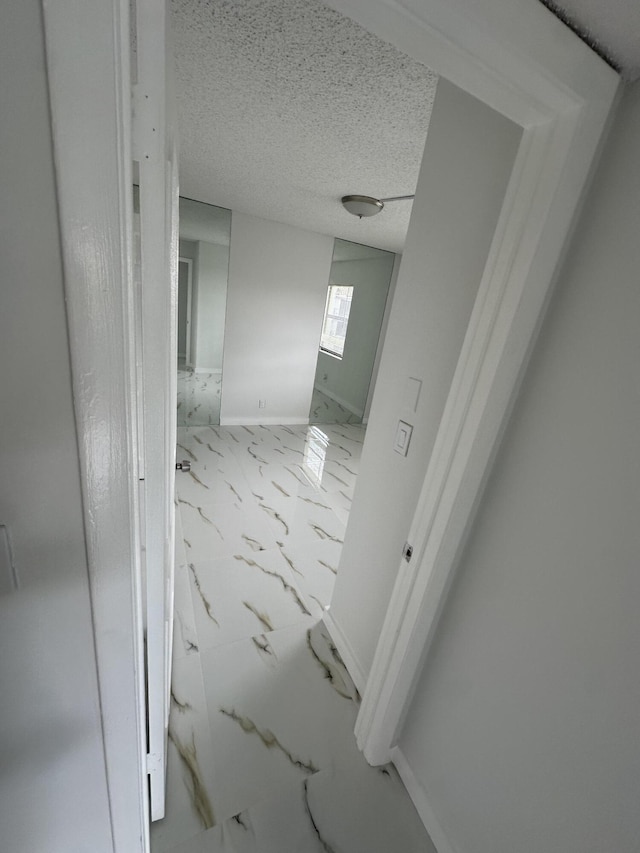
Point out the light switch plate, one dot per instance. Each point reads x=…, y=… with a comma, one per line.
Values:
x=403, y=437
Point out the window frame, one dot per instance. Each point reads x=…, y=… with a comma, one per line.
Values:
x=327, y=317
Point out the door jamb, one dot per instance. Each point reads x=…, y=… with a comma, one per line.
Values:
x=528, y=66
x=88, y=64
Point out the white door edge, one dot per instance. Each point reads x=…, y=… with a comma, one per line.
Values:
x=90, y=96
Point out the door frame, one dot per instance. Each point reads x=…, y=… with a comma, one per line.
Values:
x=511, y=54
x=89, y=76
x=517, y=58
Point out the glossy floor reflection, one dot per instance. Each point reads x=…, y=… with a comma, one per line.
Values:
x=326, y=410
x=198, y=396
x=262, y=757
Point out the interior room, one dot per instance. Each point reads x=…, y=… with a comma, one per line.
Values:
x=263, y=514
x=413, y=629
x=281, y=322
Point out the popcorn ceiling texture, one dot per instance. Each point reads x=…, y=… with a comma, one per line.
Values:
x=611, y=27
x=285, y=106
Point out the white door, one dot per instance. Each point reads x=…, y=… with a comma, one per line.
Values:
x=154, y=152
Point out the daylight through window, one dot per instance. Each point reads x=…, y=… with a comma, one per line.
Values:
x=336, y=318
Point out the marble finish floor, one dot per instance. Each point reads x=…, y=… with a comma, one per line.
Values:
x=199, y=396
x=325, y=410
x=262, y=756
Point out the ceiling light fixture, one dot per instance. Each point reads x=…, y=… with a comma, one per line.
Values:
x=366, y=205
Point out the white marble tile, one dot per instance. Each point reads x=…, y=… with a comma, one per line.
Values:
x=302, y=518
x=345, y=441
x=185, y=637
x=325, y=410
x=240, y=596
x=340, y=502
x=315, y=568
x=222, y=530
x=198, y=397
x=190, y=808
x=275, y=713
x=283, y=823
x=180, y=552
x=363, y=809
x=235, y=835
x=216, y=475
x=274, y=480
x=185, y=640
x=262, y=720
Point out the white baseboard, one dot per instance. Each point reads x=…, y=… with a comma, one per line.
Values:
x=283, y=420
x=345, y=405
x=346, y=652
x=216, y=370
x=420, y=801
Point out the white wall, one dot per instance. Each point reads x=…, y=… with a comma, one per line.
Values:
x=348, y=378
x=278, y=278
x=468, y=158
x=525, y=731
x=53, y=796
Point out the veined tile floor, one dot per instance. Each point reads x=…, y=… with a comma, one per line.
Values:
x=262, y=756
x=198, y=396
x=325, y=410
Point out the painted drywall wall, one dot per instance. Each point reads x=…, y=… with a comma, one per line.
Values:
x=347, y=379
x=525, y=729
x=53, y=796
x=277, y=286
x=467, y=163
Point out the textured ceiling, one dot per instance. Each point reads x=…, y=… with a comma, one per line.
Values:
x=285, y=106
x=612, y=27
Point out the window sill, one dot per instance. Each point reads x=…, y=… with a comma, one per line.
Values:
x=331, y=354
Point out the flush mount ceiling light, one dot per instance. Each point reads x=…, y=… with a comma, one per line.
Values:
x=366, y=205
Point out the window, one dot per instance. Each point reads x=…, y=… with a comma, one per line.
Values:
x=336, y=318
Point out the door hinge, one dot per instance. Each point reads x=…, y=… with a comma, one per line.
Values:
x=154, y=762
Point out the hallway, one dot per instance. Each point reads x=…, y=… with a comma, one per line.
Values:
x=262, y=757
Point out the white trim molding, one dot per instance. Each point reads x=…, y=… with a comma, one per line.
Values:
x=285, y=420
x=420, y=800
x=524, y=63
x=154, y=149
x=345, y=651
x=87, y=44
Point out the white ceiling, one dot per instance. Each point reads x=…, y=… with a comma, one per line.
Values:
x=611, y=26
x=285, y=106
